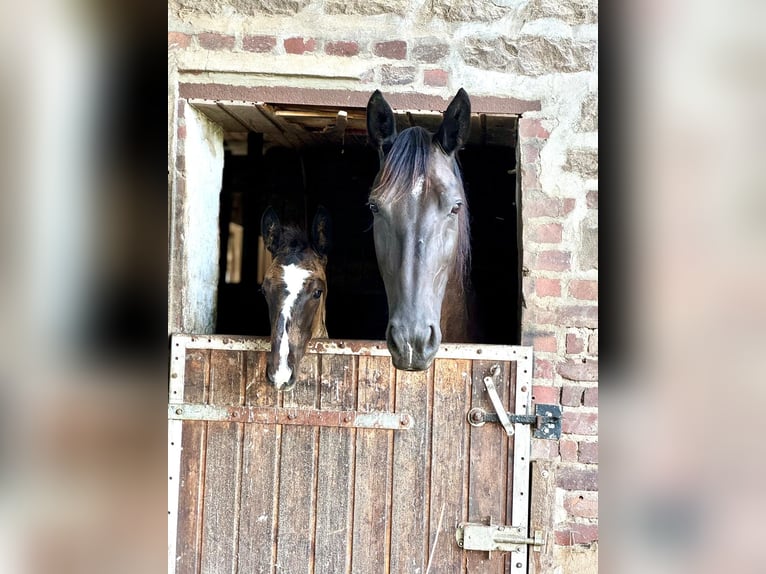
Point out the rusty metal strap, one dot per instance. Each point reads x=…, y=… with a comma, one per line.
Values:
x=289, y=416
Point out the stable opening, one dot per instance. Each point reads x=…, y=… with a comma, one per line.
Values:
x=295, y=157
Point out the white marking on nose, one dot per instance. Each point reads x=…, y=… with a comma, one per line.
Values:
x=409, y=352
x=417, y=188
x=293, y=276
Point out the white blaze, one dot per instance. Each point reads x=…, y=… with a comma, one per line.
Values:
x=417, y=188
x=293, y=277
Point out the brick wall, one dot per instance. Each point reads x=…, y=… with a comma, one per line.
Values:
x=541, y=50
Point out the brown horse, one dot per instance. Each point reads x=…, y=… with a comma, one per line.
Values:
x=421, y=230
x=295, y=287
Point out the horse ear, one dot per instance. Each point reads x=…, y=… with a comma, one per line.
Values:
x=321, y=231
x=456, y=125
x=271, y=229
x=381, y=123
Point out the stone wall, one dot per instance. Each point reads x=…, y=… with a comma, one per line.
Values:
x=544, y=50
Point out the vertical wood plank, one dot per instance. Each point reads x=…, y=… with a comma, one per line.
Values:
x=260, y=457
x=223, y=467
x=193, y=440
x=448, y=452
x=543, y=500
x=488, y=468
x=297, y=478
x=372, y=483
x=409, y=512
x=336, y=467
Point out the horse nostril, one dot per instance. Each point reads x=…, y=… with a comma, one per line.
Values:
x=434, y=339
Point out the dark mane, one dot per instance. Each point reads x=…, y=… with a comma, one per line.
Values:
x=406, y=162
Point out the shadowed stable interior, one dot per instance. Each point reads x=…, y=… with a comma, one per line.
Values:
x=326, y=160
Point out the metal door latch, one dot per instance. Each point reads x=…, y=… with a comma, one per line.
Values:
x=491, y=538
x=546, y=420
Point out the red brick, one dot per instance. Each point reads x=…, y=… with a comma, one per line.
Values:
x=181, y=109
x=583, y=289
x=536, y=315
x=547, y=287
x=571, y=396
x=552, y=261
x=588, y=452
x=542, y=369
x=543, y=449
x=577, y=534
x=582, y=505
x=435, y=77
x=577, y=477
x=180, y=162
x=530, y=152
x=579, y=423
x=577, y=316
x=544, y=343
x=545, y=233
x=574, y=344
x=299, y=45
x=341, y=48
x=545, y=206
x=579, y=369
x=591, y=397
x=213, y=41
x=394, y=50
x=178, y=40
x=532, y=128
x=259, y=43
x=591, y=199
x=181, y=132
x=545, y=395
x=568, y=450
x=593, y=343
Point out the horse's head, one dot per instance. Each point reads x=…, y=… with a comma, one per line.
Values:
x=295, y=287
x=420, y=225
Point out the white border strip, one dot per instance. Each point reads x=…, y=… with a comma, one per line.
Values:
x=354, y=347
x=175, y=430
x=521, y=452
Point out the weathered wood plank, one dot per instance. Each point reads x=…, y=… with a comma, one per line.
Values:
x=452, y=381
x=543, y=501
x=188, y=539
x=196, y=376
x=409, y=513
x=258, y=390
x=372, y=483
x=488, y=468
x=260, y=457
x=336, y=469
x=193, y=440
x=297, y=478
x=220, y=513
x=220, y=538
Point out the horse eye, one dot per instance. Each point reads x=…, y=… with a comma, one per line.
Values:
x=374, y=207
x=317, y=294
x=456, y=208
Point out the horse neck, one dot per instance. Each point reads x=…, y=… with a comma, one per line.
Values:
x=454, y=314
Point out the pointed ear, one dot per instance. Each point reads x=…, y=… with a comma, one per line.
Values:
x=381, y=123
x=321, y=231
x=456, y=125
x=271, y=229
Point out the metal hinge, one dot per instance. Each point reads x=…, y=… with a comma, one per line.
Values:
x=492, y=538
x=546, y=420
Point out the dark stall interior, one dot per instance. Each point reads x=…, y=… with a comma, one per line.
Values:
x=297, y=157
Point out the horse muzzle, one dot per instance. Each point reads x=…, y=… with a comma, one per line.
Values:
x=413, y=346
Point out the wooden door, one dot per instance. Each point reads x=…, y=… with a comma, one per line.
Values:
x=362, y=468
